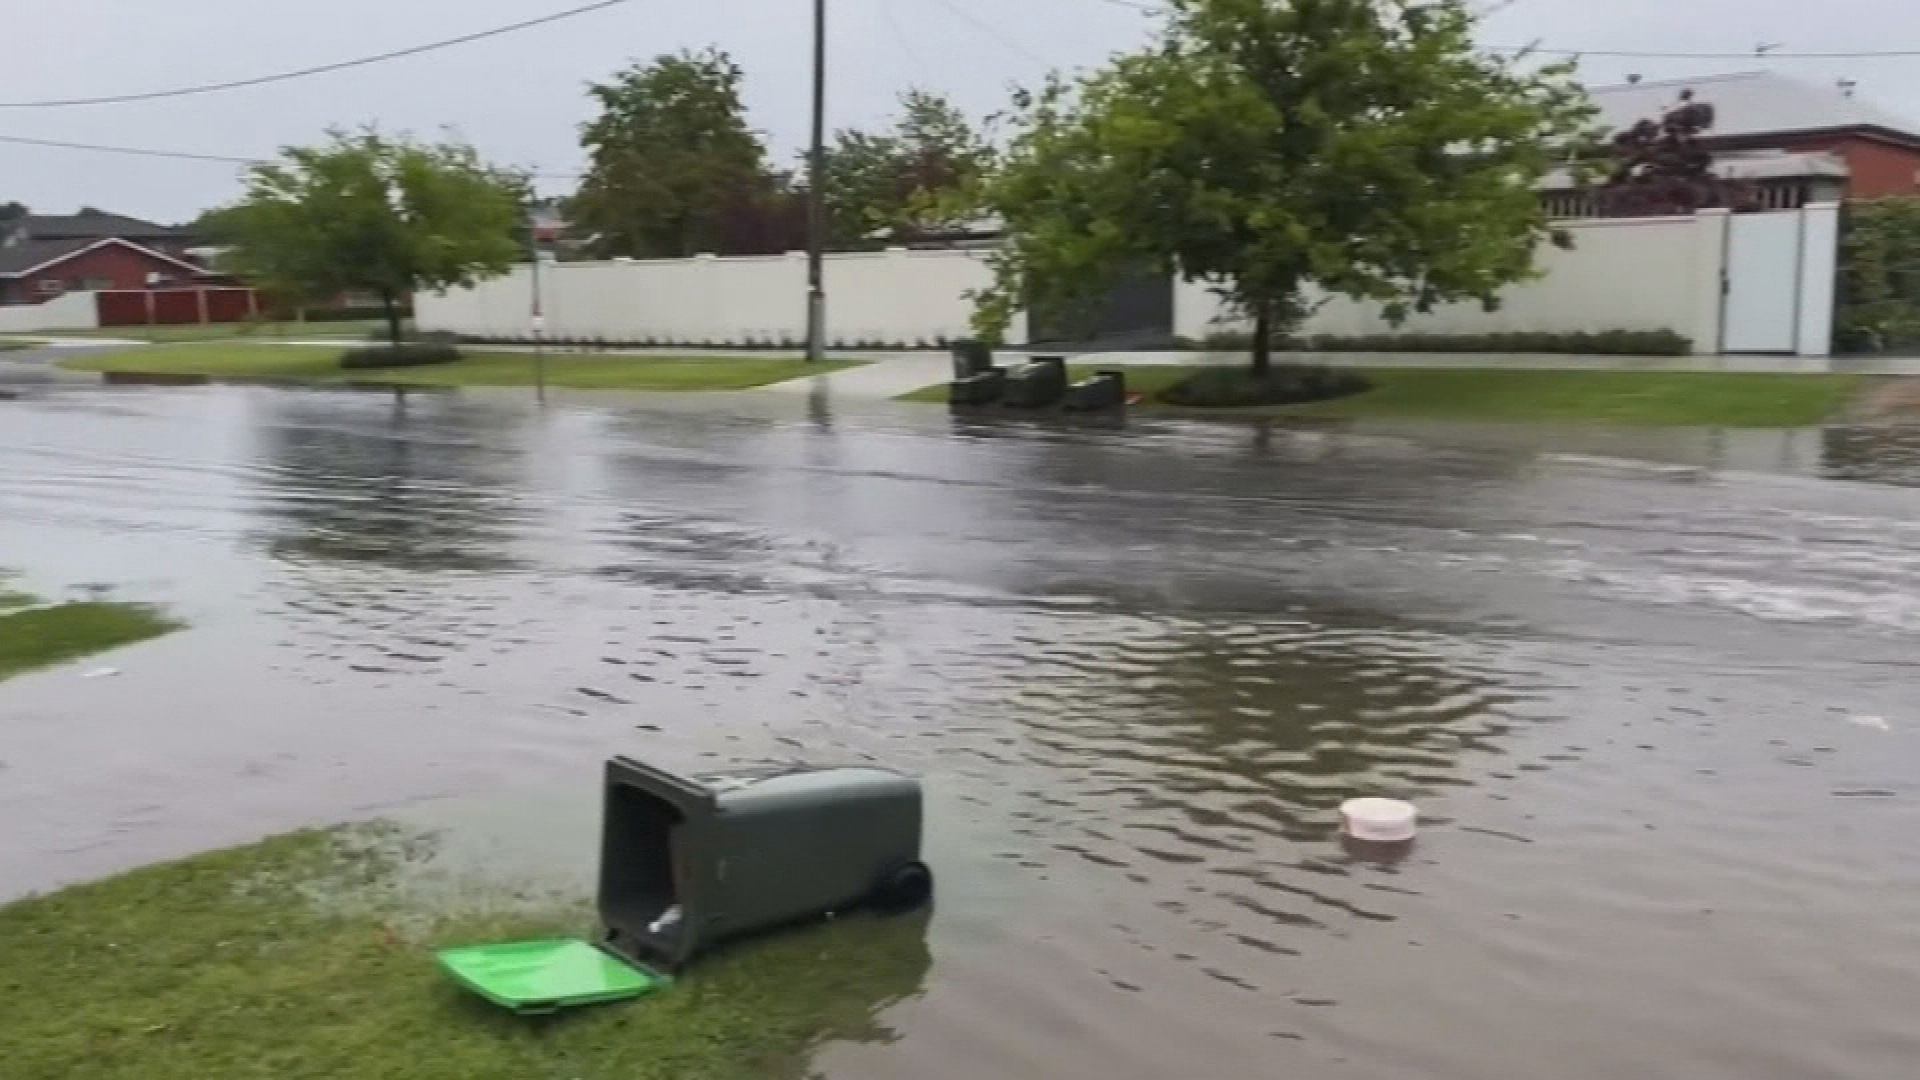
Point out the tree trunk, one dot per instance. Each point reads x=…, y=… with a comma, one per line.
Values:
x=393, y=317
x=1262, y=339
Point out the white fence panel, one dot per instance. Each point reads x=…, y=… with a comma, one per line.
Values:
x=895, y=297
x=74, y=311
x=1621, y=274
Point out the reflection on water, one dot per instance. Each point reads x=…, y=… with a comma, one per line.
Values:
x=1651, y=691
x=369, y=492
x=1885, y=454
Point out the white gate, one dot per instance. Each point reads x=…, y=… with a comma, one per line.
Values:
x=1763, y=283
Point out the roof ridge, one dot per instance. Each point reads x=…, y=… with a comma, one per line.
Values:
x=1725, y=76
x=49, y=253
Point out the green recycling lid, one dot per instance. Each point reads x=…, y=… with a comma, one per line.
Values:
x=545, y=976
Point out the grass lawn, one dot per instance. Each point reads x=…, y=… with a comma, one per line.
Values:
x=292, y=959
x=353, y=329
x=37, y=637
x=1669, y=398
x=242, y=360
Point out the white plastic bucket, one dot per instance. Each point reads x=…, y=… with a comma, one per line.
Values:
x=1379, y=821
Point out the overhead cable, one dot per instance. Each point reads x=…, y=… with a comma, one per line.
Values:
x=319, y=69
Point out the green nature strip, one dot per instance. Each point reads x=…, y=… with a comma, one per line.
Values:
x=321, y=364
x=284, y=960
x=353, y=330
x=1637, y=398
x=40, y=637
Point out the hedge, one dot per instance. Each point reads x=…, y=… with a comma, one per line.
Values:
x=1605, y=342
x=1283, y=384
x=410, y=354
x=1878, y=306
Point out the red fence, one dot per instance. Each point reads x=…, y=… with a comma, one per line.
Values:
x=155, y=307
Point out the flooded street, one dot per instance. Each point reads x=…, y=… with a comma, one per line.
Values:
x=1653, y=692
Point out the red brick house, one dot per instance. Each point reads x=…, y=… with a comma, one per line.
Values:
x=1797, y=141
x=35, y=271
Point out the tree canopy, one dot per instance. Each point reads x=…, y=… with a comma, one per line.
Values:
x=1365, y=147
x=381, y=213
x=898, y=184
x=1664, y=167
x=673, y=166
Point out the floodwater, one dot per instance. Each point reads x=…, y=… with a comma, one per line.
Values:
x=1653, y=692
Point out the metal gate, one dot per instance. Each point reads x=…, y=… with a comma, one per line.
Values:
x=1762, y=313
x=1136, y=310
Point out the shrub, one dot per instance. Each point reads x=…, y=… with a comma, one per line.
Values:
x=1605, y=342
x=409, y=354
x=1285, y=384
x=1878, y=307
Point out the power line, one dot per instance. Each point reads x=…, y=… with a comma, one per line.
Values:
x=219, y=159
x=993, y=32
x=1754, y=54
x=321, y=69
x=1770, y=52
x=892, y=24
x=20, y=140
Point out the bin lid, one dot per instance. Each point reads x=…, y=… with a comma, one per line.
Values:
x=544, y=976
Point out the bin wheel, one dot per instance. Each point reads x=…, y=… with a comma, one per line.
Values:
x=904, y=888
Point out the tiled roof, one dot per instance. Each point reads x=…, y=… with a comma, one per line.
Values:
x=1750, y=103
x=20, y=258
x=93, y=226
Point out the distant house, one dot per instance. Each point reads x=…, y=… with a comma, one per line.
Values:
x=90, y=224
x=1795, y=141
x=41, y=270
x=46, y=255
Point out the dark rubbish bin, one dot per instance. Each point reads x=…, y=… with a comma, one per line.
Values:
x=689, y=862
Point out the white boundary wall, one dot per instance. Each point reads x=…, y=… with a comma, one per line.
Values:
x=1621, y=274
x=895, y=297
x=74, y=311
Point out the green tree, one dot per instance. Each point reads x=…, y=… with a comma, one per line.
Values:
x=1362, y=146
x=374, y=212
x=11, y=212
x=903, y=182
x=671, y=159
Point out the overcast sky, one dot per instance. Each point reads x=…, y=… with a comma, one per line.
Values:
x=520, y=100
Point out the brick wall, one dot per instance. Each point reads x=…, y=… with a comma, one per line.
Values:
x=1877, y=168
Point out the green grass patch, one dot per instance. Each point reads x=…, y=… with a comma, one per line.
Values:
x=602, y=371
x=347, y=329
x=290, y=959
x=43, y=636
x=1652, y=398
